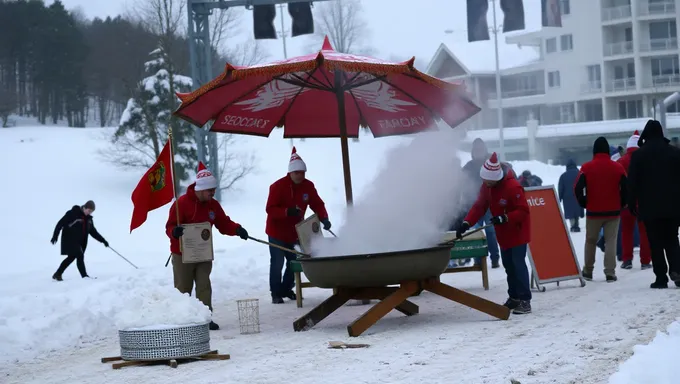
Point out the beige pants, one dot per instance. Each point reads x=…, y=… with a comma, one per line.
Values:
x=611, y=232
x=185, y=275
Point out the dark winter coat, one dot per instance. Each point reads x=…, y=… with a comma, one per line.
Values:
x=654, y=182
x=601, y=184
x=565, y=190
x=75, y=227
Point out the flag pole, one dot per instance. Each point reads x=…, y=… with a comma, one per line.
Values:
x=174, y=190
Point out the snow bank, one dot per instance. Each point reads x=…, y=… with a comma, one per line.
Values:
x=654, y=362
x=83, y=311
x=412, y=200
x=160, y=307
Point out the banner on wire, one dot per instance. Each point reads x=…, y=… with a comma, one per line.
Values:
x=551, y=251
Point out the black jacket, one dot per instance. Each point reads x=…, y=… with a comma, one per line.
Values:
x=565, y=190
x=75, y=227
x=653, y=176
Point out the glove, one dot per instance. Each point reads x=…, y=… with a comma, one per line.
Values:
x=462, y=229
x=106, y=243
x=293, y=212
x=53, y=241
x=242, y=233
x=501, y=219
x=177, y=232
x=326, y=224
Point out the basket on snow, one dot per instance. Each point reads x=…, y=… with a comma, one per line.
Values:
x=165, y=343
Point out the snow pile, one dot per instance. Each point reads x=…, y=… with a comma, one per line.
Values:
x=412, y=200
x=654, y=362
x=161, y=307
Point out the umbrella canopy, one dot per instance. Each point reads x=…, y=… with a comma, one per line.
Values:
x=326, y=94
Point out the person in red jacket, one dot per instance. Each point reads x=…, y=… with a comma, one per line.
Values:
x=601, y=189
x=502, y=194
x=628, y=220
x=197, y=205
x=287, y=203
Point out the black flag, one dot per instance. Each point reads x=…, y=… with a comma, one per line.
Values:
x=551, y=14
x=477, y=27
x=513, y=15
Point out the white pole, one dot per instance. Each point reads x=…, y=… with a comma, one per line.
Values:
x=499, y=96
x=285, y=51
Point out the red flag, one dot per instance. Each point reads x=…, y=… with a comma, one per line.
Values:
x=155, y=189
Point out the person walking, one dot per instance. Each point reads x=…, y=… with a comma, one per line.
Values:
x=601, y=190
x=572, y=210
x=287, y=203
x=197, y=205
x=503, y=196
x=653, y=194
x=628, y=221
x=76, y=226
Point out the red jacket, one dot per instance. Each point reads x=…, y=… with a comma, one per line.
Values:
x=506, y=198
x=625, y=159
x=193, y=211
x=601, y=187
x=284, y=194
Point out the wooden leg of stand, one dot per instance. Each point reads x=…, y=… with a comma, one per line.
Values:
x=485, y=274
x=110, y=359
x=298, y=289
x=322, y=310
x=483, y=305
x=381, y=309
x=408, y=308
x=128, y=364
x=216, y=357
x=172, y=363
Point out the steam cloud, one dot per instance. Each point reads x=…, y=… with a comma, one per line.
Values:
x=412, y=201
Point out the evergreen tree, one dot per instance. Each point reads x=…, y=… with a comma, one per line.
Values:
x=143, y=128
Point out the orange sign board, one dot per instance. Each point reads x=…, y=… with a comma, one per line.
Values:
x=551, y=251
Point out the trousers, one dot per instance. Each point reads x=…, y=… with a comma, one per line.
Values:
x=79, y=257
x=185, y=275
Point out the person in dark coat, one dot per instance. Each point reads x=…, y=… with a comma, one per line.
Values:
x=75, y=226
x=480, y=154
x=653, y=193
x=572, y=211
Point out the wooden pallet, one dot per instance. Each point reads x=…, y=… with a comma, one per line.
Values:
x=173, y=363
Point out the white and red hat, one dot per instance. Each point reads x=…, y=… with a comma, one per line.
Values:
x=296, y=164
x=491, y=170
x=633, y=141
x=204, y=178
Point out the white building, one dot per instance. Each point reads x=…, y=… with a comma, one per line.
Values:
x=612, y=59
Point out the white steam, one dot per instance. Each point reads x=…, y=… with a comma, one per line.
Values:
x=412, y=201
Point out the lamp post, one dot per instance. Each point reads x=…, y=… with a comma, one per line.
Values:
x=282, y=34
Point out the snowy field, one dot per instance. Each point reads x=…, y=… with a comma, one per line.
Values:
x=57, y=332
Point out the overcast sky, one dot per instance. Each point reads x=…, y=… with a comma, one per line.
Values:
x=398, y=28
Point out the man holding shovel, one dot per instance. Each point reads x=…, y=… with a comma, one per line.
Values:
x=288, y=200
x=197, y=206
x=503, y=196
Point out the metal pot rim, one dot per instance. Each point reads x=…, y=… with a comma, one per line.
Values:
x=373, y=255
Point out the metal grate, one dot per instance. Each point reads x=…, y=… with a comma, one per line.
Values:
x=163, y=344
x=249, y=316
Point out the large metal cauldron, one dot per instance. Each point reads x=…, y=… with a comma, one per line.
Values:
x=376, y=269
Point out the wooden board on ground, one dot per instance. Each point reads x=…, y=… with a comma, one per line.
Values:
x=341, y=345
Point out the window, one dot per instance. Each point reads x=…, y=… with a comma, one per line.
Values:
x=566, y=42
x=628, y=34
x=551, y=45
x=630, y=109
x=565, y=8
x=554, y=79
x=662, y=30
x=665, y=66
x=592, y=112
x=594, y=73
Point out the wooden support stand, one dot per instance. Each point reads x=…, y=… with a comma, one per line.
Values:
x=393, y=298
x=212, y=355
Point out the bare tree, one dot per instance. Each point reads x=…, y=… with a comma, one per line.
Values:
x=342, y=22
x=8, y=104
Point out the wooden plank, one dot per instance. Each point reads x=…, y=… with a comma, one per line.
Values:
x=380, y=293
x=483, y=305
x=216, y=357
x=379, y=310
x=298, y=290
x=322, y=310
x=130, y=364
x=110, y=359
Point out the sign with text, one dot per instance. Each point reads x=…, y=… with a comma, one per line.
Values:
x=551, y=251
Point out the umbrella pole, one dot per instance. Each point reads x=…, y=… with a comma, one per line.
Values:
x=344, y=144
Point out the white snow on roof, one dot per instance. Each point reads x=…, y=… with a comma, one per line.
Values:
x=478, y=57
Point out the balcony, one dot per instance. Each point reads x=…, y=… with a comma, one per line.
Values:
x=619, y=48
x=616, y=13
x=652, y=45
x=591, y=87
x=621, y=85
x=517, y=93
x=663, y=81
x=656, y=8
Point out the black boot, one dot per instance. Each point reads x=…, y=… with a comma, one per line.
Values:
x=659, y=285
x=290, y=295
x=587, y=276
x=646, y=266
x=57, y=277
x=511, y=303
x=277, y=300
x=213, y=326
x=495, y=264
x=611, y=278
x=523, y=308
x=627, y=264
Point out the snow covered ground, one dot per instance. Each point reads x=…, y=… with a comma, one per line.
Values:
x=57, y=332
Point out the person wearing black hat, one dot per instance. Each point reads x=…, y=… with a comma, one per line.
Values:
x=75, y=227
x=601, y=189
x=653, y=197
